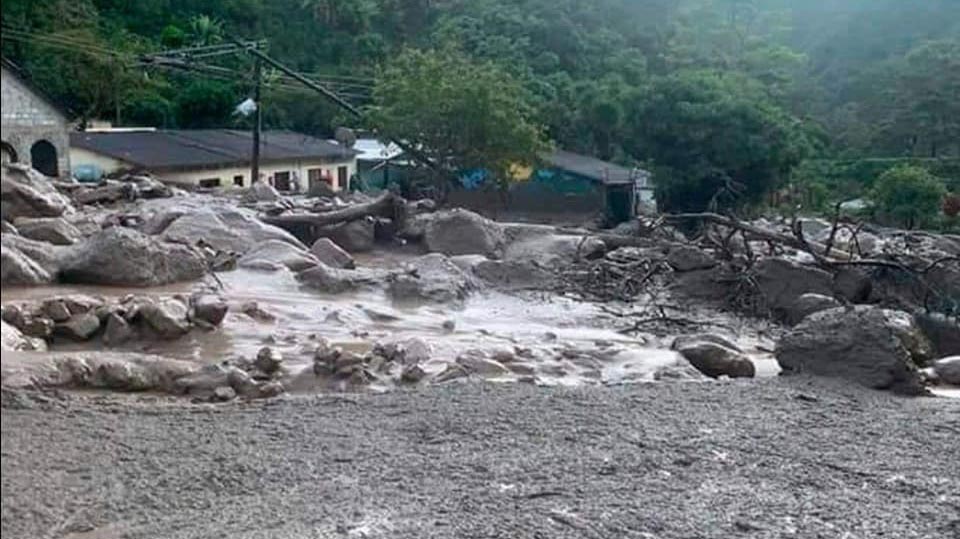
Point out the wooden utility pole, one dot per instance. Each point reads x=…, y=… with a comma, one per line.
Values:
x=257, y=124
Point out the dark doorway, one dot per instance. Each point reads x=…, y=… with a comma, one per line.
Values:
x=43, y=157
x=8, y=153
x=342, y=178
x=619, y=201
x=281, y=180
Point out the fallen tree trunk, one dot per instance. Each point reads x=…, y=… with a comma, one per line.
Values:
x=388, y=206
x=817, y=250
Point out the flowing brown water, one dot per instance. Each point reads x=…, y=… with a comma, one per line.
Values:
x=566, y=341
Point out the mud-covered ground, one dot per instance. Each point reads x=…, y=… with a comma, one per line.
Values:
x=766, y=458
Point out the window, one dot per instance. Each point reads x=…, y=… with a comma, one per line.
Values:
x=281, y=180
x=210, y=182
x=238, y=180
x=342, y=178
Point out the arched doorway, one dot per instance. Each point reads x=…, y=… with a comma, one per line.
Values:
x=8, y=154
x=43, y=157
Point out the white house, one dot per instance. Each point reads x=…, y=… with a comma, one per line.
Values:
x=289, y=161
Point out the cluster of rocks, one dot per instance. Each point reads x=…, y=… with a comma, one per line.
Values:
x=81, y=318
x=401, y=362
x=258, y=378
x=138, y=373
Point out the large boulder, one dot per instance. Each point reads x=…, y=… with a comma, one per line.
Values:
x=356, y=236
x=876, y=347
x=124, y=257
x=331, y=254
x=222, y=227
x=280, y=253
x=24, y=192
x=781, y=282
x=433, y=277
x=55, y=230
x=462, y=232
x=552, y=248
x=46, y=255
x=261, y=191
x=806, y=305
x=705, y=285
x=514, y=275
x=16, y=268
x=942, y=331
x=335, y=280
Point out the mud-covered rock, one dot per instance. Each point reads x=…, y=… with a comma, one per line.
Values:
x=552, y=248
x=254, y=311
x=948, y=370
x=356, y=236
x=480, y=363
x=124, y=257
x=780, y=282
x=80, y=327
x=715, y=360
x=167, y=318
x=55, y=230
x=432, y=277
x=808, y=304
x=687, y=340
x=209, y=309
x=224, y=394
x=705, y=285
x=16, y=268
x=852, y=284
x=260, y=191
x=45, y=255
x=462, y=232
x=269, y=361
x=37, y=326
x=689, y=258
x=13, y=340
x=331, y=254
x=24, y=192
x=942, y=331
x=335, y=281
x=278, y=253
x=221, y=226
x=515, y=274
x=875, y=347
x=116, y=330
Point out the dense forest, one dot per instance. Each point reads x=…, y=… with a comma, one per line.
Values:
x=725, y=99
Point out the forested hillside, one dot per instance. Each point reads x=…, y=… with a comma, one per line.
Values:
x=709, y=91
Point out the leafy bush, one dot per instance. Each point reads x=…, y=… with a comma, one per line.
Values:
x=909, y=194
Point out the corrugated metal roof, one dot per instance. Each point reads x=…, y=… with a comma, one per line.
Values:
x=204, y=148
x=591, y=167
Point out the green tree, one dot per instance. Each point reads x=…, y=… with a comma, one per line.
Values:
x=909, y=194
x=205, y=104
x=925, y=99
x=717, y=140
x=465, y=114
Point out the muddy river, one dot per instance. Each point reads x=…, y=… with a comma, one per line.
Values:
x=551, y=339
